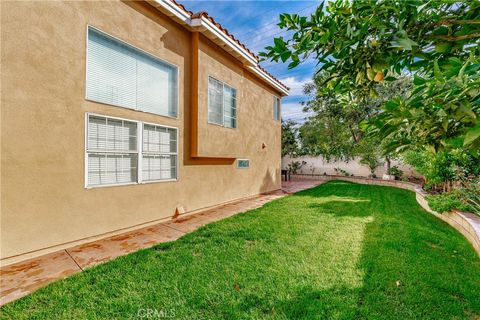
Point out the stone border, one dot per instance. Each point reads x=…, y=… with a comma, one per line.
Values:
x=468, y=224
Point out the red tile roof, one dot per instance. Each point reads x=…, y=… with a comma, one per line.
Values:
x=219, y=26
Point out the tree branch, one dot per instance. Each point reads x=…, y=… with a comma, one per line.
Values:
x=458, y=38
x=454, y=21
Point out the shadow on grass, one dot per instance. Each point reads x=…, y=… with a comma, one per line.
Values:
x=412, y=264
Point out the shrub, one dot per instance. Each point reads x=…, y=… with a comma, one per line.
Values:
x=470, y=194
x=342, y=172
x=294, y=166
x=445, y=202
x=449, y=201
x=443, y=169
x=395, y=171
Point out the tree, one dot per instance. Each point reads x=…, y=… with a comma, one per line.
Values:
x=289, y=138
x=336, y=130
x=361, y=43
x=370, y=154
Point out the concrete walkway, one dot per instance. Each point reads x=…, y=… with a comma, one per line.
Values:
x=20, y=279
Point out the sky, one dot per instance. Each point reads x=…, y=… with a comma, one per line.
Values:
x=254, y=23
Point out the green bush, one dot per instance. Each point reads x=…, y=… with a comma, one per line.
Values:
x=441, y=169
x=470, y=194
x=342, y=172
x=295, y=166
x=395, y=171
x=446, y=202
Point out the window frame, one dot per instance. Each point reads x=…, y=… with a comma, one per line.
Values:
x=139, y=152
x=140, y=163
x=151, y=55
x=277, y=103
x=238, y=163
x=223, y=103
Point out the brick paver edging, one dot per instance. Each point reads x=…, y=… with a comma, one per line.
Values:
x=468, y=224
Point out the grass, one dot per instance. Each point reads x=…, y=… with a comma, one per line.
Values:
x=338, y=251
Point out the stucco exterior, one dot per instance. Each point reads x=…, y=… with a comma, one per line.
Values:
x=44, y=204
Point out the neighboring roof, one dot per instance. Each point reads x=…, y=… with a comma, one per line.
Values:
x=204, y=23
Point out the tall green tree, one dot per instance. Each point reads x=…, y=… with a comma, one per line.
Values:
x=360, y=43
x=290, y=145
x=336, y=129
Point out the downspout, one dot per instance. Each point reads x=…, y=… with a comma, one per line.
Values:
x=194, y=96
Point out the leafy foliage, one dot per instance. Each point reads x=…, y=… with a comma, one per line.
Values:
x=446, y=202
x=336, y=128
x=395, y=171
x=470, y=194
x=360, y=43
x=295, y=166
x=443, y=169
x=370, y=155
x=289, y=138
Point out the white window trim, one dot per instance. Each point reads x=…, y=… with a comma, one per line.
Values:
x=169, y=153
x=139, y=153
x=143, y=51
x=279, y=100
x=238, y=161
x=223, y=103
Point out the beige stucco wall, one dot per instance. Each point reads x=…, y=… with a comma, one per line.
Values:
x=43, y=200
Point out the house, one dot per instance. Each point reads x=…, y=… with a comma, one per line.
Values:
x=116, y=115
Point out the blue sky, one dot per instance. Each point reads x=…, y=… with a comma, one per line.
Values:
x=254, y=23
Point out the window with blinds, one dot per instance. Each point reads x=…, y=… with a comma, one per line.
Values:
x=276, y=109
x=159, y=154
x=121, y=75
x=116, y=154
x=111, y=151
x=222, y=104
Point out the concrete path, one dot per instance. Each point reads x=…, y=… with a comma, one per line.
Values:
x=20, y=279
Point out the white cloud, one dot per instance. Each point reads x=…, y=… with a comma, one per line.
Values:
x=295, y=85
x=294, y=111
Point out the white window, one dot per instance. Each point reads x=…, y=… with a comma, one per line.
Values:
x=222, y=104
x=277, y=116
x=121, y=75
x=159, y=153
x=114, y=151
x=243, y=163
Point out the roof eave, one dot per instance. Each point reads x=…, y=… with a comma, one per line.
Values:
x=213, y=32
x=269, y=79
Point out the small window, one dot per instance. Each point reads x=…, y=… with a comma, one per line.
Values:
x=222, y=104
x=243, y=163
x=277, y=116
x=121, y=75
x=114, y=151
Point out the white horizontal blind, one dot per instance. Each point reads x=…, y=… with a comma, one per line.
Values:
x=229, y=106
x=111, y=151
x=159, y=153
x=156, y=87
x=106, y=169
x=276, y=109
x=222, y=103
x=121, y=75
x=215, y=101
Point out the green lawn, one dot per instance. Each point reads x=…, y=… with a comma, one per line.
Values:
x=338, y=251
